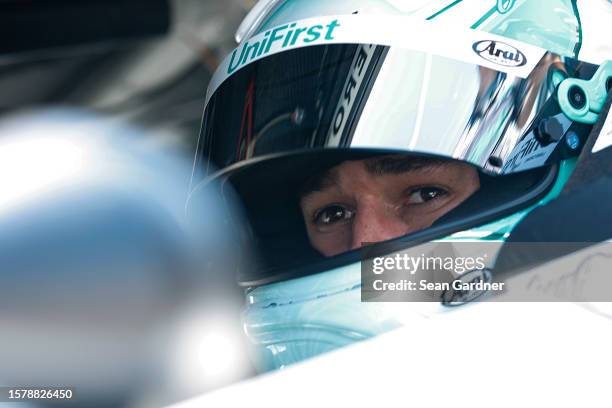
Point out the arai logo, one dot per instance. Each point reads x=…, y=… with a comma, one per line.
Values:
x=499, y=53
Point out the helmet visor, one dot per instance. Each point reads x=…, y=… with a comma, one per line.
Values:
x=367, y=96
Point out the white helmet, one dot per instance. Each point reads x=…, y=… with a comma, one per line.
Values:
x=318, y=84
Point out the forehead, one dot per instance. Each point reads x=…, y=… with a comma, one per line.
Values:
x=396, y=164
x=378, y=166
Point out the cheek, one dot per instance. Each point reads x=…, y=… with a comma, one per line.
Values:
x=418, y=221
x=330, y=243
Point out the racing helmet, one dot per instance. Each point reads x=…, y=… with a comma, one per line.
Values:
x=494, y=89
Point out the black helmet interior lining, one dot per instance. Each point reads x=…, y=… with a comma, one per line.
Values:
x=270, y=190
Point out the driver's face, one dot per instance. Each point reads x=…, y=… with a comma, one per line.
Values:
x=374, y=200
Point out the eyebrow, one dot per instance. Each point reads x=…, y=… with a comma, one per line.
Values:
x=319, y=182
x=379, y=166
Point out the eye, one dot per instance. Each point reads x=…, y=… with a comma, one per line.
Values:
x=333, y=214
x=425, y=194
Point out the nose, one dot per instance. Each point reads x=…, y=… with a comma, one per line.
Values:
x=376, y=221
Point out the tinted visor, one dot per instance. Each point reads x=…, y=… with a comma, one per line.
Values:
x=368, y=96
